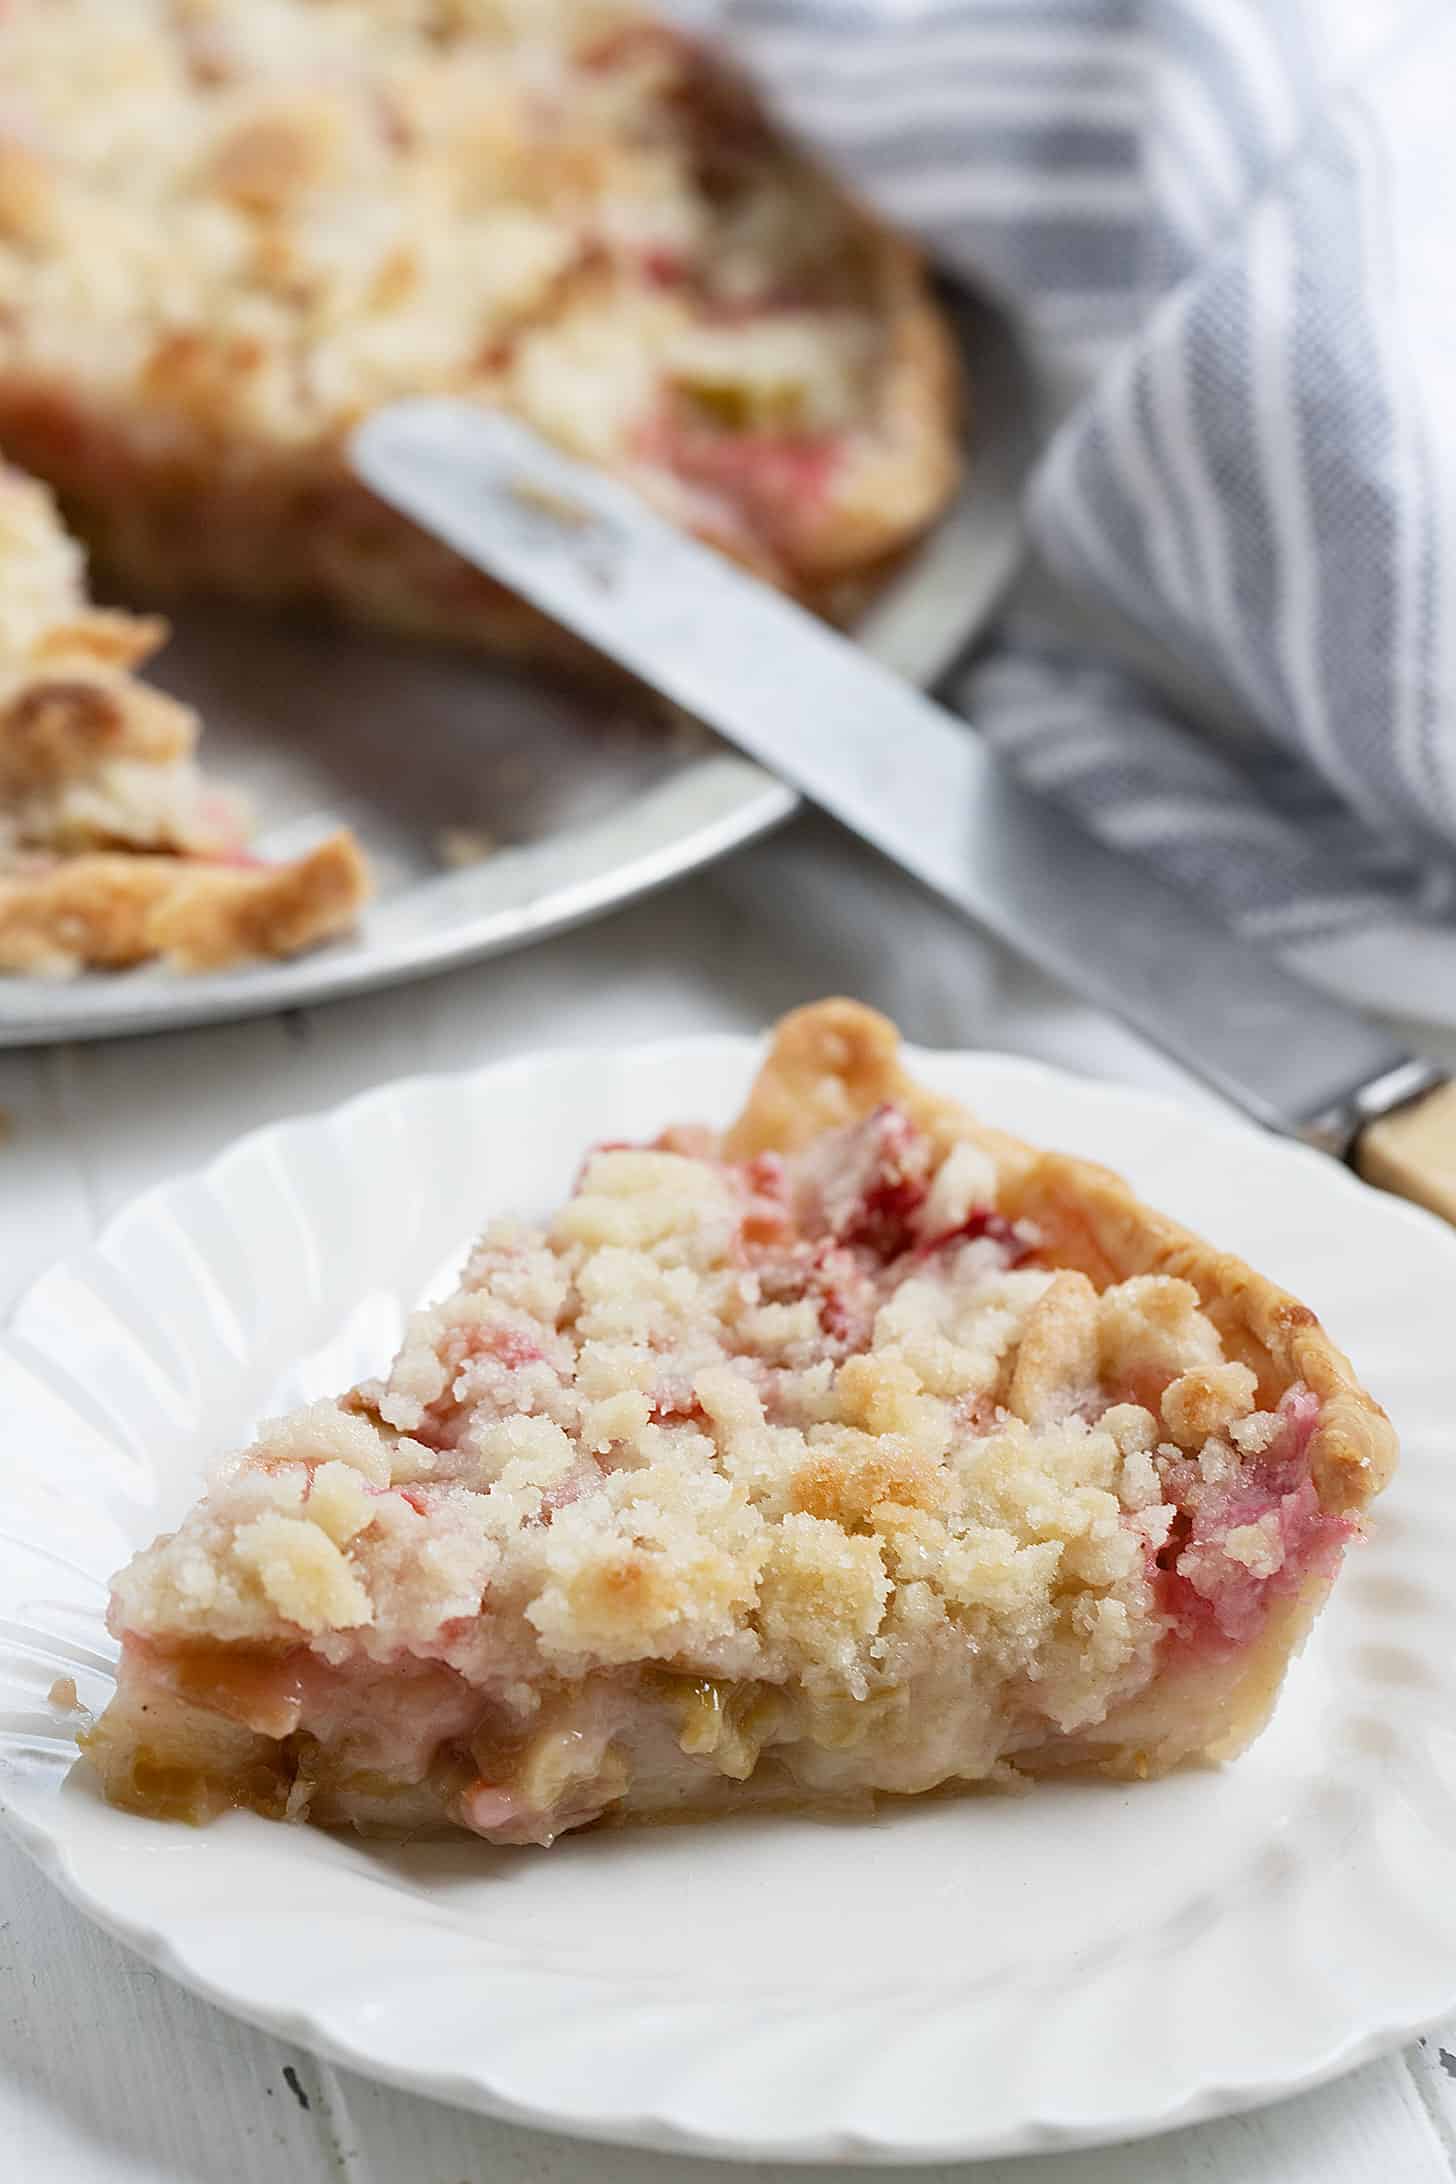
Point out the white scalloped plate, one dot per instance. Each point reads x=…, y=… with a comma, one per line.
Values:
x=955, y=1978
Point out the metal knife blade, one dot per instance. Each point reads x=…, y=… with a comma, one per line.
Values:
x=893, y=766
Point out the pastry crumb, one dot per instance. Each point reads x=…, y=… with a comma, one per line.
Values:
x=459, y=847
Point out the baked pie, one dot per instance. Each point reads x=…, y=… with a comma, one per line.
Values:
x=113, y=846
x=863, y=1449
x=230, y=228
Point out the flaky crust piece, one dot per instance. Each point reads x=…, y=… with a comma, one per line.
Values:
x=111, y=910
x=113, y=847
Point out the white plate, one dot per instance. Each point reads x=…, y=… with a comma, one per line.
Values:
x=955, y=1978
x=588, y=802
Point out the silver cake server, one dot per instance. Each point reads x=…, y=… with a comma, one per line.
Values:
x=912, y=779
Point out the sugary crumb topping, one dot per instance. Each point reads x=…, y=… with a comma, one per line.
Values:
x=823, y=1425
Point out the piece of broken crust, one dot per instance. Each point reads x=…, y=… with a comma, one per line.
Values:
x=863, y=1450
x=114, y=847
x=111, y=911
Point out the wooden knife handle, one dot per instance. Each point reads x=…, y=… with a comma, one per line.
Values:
x=1412, y=1151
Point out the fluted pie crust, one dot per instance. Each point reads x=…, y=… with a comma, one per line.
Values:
x=862, y=1450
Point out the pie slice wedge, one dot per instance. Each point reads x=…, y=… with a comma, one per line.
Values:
x=861, y=1450
x=114, y=848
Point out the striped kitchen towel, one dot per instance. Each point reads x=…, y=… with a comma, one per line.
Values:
x=1228, y=231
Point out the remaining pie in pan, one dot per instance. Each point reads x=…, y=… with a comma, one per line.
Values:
x=862, y=1450
x=230, y=228
x=113, y=848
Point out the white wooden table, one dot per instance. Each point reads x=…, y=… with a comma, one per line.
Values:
x=110, y=2074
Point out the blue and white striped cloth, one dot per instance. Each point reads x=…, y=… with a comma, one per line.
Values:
x=1228, y=229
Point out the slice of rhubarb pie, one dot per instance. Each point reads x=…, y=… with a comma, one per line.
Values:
x=862, y=1450
x=113, y=847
